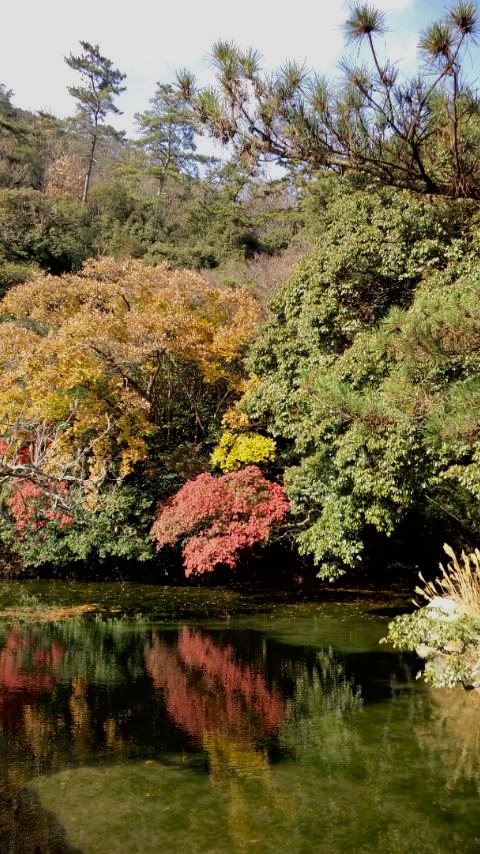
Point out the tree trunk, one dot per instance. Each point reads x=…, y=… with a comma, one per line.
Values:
x=88, y=173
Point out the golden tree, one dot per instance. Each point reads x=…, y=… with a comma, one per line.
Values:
x=100, y=366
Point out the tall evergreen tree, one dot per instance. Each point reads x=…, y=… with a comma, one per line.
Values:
x=168, y=136
x=101, y=82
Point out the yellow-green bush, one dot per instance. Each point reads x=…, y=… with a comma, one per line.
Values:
x=237, y=450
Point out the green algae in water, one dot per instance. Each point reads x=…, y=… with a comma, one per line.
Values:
x=31, y=600
x=289, y=731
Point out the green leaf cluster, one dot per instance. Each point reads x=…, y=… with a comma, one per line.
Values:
x=115, y=531
x=452, y=646
x=369, y=375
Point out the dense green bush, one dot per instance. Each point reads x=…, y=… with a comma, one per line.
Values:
x=116, y=532
x=368, y=374
x=54, y=233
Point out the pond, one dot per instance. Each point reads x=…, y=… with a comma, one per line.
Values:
x=285, y=727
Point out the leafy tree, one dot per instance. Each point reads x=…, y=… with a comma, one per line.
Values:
x=220, y=517
x=168, y=138
x=236, y=450
x=116, y=369
x=114, y=381
x=11, y=132
x=27, y=141
x=113, y=533
x=352, y=432
x=390, y=430
x=101, y=83
x=53, y=232
x=419, y=133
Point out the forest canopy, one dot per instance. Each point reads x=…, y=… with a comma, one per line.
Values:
x=201, y=360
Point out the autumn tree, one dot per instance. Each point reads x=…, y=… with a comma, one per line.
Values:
x=418, y=133
x=64, y=176
x=100, y=83
x=220, y=517
x=114, y=383
x=115, y=358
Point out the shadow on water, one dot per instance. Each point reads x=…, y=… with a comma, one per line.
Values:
x=290, y=731
x=26, y=827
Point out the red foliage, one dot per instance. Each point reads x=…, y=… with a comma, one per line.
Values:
x=27, y=670
x=32, y=508
x=206, y=691
x=29, y=503
x=221, y=516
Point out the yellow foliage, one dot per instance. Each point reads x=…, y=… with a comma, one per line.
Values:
x=227, y=757
x=235, y=418
x=236, y=450
x=99, y=352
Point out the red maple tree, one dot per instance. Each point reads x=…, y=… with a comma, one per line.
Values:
x=220, y=516
x=30, y=504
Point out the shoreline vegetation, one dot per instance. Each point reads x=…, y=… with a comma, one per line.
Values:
x=209, y=373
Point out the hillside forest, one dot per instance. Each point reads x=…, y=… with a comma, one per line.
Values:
x=266, y=363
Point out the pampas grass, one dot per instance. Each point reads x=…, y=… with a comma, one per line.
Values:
x=460, y=581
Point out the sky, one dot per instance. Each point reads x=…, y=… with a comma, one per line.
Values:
x=150, y=40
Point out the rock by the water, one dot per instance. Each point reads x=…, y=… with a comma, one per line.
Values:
x=424, y=651
x=442, y=608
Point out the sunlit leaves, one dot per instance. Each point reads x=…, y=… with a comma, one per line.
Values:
x=220, y=517
x=235, y=450
x=352, y=407
x=120, y=354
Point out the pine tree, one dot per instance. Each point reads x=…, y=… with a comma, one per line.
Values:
x=418, y=133
x=168, y=136
x=101, y=83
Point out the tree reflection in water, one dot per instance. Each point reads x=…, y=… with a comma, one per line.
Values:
x=207, y=693
x=230, y=710
x=451, y=736
x=28, y=669
x=95, y=715
x=26, y=826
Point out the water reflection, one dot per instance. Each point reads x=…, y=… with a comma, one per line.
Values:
x=454, y=738
x=26, y=827
x=207, y=693
x=223, y=739
x=27, y=669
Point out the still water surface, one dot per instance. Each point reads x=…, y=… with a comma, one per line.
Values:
x=289, y=731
